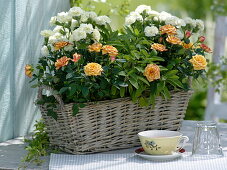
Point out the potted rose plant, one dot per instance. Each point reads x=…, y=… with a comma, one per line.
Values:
x=94, y=73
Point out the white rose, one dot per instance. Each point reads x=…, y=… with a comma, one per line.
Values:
x=57, y=28
x=53, y=20
x=153, y=13
x=130, y=20
x=64, y=17
x=46, y=33
x=151, y=31
x=76, y=11
x=141, y=8
x=56, y=37
x=180, y=23
x=199, y=24
x=155, y=18
x=84, y=17
x=74, y=24
x=79, y=34
x=102, y=20
x=180, y=34
x=44, y=51
x=96, y=35
x=137, y=16
x=163, y=16
x=190, y=21
x=92, y=15
x=88, y=28
x=172, y=20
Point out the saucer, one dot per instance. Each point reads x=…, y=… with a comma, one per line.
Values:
x=140, y=152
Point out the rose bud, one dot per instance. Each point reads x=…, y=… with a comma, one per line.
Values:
x=188, y=34
x=202, y=39
x=160, y=40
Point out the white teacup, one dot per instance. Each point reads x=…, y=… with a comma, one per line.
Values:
x=162, y=142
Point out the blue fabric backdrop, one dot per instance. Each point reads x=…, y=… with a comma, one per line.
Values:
x=20, y=24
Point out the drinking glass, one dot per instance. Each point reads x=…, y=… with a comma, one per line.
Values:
x=207, y=140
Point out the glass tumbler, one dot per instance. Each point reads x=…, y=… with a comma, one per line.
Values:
x=207, y=140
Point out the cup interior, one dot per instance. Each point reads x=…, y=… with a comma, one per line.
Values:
x=159, y=134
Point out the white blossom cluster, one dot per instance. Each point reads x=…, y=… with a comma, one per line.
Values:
x=73, y=26
x=161, y=18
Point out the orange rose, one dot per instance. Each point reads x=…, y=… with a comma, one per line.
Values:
x=173, y=40
x=152, y=72
x=76, y=57
x=60, y=44
x=168, y=29
x=62, y=62
x=187, y=46
x=109, y=49
x=93, y=69
x=206, y=48
x=199, y=62
x=28, y=70
x=158, y=47
x=96, y=47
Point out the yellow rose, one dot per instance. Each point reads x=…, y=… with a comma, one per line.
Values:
x=199, y=62
x=187, y=46
x=158, y=47
x=168, y=29
x=96, y=47
x=60, y=44
x=109, y=49
x=93, y=69
x=152, y=72
x=173, y=40
x=28, y=70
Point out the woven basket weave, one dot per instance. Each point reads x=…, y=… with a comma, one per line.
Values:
x=110, y=124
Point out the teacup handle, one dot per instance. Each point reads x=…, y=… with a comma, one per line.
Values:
x=182, y=142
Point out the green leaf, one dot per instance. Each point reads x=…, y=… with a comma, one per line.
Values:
x=175, y=82
x=165, y=93
x=122, y=91
x=69, y=75
x=154, y=58
x=63, y=89
x=85, y=91
x=143, y=80
x=82, y=105
x=134, y=83
x=75, y=109
x=73, y=89
x=171, y=73
x=140, y=69
x=143, y=102
x=113, y=90
x=122, y=73
x=52, y=113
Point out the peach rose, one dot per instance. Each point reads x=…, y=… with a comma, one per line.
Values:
x=96, y=47
x=199, y=62
x=60, y=44
x=62, y=62
x=158, y=47
x=109, y=49
x=28, y=70
x=93, y=69
x=173, y=40
x=187, y=46
x=152, y=72
x=76, y=57
x=168, y=29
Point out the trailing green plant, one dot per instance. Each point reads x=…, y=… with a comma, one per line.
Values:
x=37, y=146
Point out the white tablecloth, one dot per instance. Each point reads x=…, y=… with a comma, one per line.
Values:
x=127, y=160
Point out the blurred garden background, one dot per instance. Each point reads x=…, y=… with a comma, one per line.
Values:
x=207, y=10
